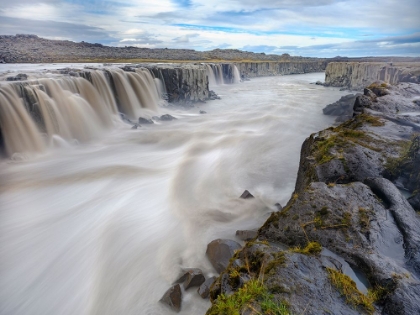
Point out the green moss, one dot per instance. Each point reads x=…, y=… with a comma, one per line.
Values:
x=312, y=248
x=347, y=287
x=279, y=260
x=364, y=220
x=346, y=220
x=254, y=291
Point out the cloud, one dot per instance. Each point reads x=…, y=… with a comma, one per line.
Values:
x=53, y=29
x=304, y=27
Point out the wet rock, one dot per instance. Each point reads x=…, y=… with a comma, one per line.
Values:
x=194, y=278
x=19, y=77
x=145, y=121
x=135, y=126
x=204, y=289
x=361, y=103
x=343, y=107
x=246, y=195
x=319, y=83
x=246, y=235
x=203, y=112
x=167, y=117
x=220, y=251
x=278, y=206
x=173, y=298
x=415, y=201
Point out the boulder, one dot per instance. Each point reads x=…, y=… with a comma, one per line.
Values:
x=204, y=289
x=167, y=117
x=173, y=298
x=246, y=235
x=191, y=277
x=145, y=121
x=319, y=83
x=246, y=195
x=203, y=112
x=19, y=77
x=220, y=251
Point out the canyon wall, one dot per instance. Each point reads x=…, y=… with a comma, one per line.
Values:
x=259, y=69
x=357, y=75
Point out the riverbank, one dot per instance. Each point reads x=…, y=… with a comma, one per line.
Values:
x=347, y=241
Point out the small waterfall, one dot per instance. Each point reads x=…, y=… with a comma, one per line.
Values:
x=19, y=131
x=219, y=74
x=72, y=108
x=223, y=74
x=236, y=74
x=210, y=74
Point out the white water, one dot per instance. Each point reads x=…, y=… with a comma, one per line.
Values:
x=104, y=228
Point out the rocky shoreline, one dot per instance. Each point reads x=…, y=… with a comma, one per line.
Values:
x=348, y=241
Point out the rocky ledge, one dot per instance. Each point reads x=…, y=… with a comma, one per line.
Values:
x=348, y=240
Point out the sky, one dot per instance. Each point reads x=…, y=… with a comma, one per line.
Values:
x=319, y=28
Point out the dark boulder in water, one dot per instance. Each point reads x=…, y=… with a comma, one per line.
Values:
x=220, y=251
x=246, y=195
x=19, y=77
x=173, y=298
x=167, y=117
x=191, y=277
x=204, y=289
x=145, y=121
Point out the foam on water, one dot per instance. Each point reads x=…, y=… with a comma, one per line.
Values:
x=105, y=227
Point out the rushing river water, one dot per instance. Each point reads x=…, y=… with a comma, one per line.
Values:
x=105, y=227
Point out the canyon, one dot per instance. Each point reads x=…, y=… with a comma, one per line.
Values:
x=350, y=192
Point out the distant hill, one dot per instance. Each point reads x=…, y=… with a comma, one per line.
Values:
x=26, y=48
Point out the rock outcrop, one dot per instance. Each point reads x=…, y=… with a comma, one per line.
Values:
x=357, y=75
x=346, y=230
x=183, y=82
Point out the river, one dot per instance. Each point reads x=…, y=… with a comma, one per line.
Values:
x=104, y=227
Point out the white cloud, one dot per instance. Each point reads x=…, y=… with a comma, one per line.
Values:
x=219, y=23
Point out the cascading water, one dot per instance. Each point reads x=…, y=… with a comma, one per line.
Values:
x=35, y=113
x=236, y=74
x=211, y=75
x=217, y=75
x=106, y=228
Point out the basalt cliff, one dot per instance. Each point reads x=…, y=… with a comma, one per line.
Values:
x=356, y=75
x=348, y=241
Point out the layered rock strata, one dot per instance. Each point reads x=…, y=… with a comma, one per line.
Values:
x=357, y=75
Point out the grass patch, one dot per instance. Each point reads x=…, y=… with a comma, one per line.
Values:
x=312, y=248
x=347, y=287
x=254, y=291
x=364, y=220
x=278, y=261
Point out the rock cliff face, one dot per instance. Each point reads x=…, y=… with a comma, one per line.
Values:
x=347, y=227
x=356, y=75
x=182, y=82
x=254, y=69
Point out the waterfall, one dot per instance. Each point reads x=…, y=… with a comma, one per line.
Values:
x=19, y=131
x=223, y=73
x=36, y=114
x=236, y=74
x=210, y=74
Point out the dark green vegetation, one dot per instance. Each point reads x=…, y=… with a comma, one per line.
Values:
x=254, y=291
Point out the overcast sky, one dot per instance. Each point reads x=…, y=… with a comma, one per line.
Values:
x=319, y=28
